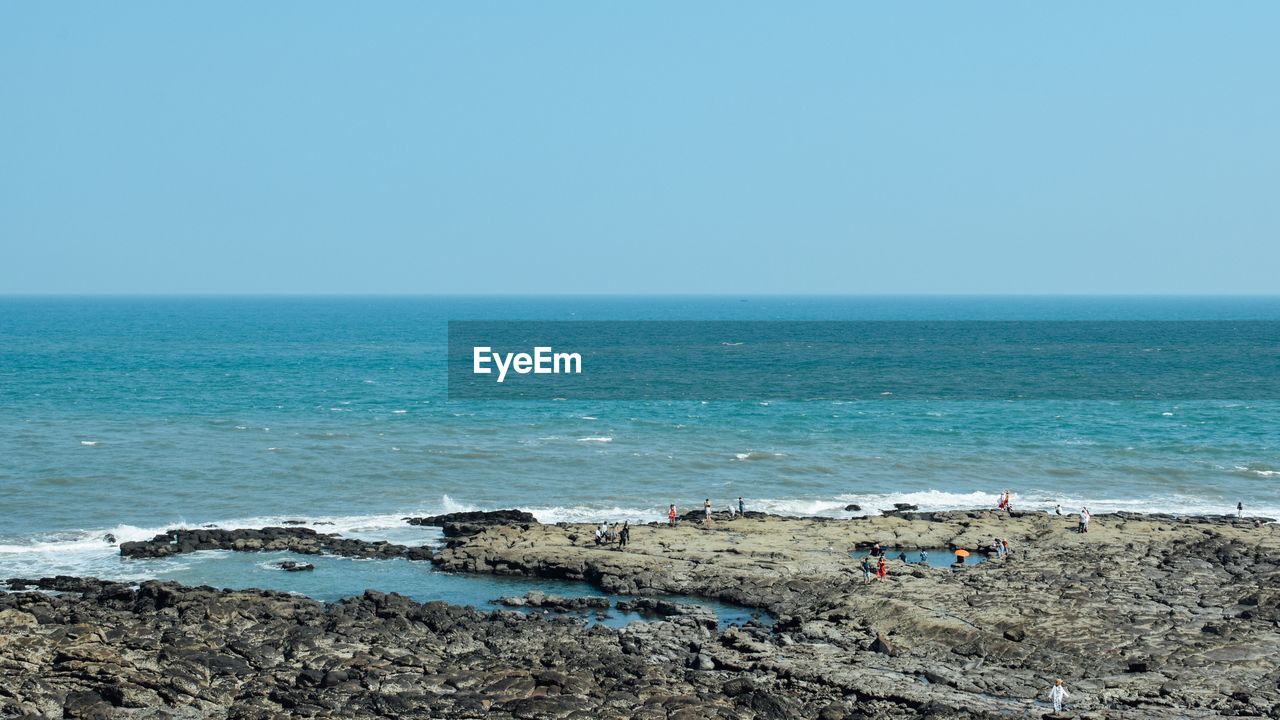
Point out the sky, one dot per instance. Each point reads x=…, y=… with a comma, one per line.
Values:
x=660, y=147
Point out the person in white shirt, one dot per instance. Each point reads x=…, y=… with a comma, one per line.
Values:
x=1058, y=694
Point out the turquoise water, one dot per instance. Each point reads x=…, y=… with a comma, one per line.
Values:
x=337, y=577
x=131, y=415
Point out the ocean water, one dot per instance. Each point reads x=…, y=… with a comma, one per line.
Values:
x=132, y=415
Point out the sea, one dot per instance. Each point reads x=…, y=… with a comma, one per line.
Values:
x=126, y=416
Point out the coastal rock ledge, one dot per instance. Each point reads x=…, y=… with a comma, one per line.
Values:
x=1143, y=617
x=304, y=541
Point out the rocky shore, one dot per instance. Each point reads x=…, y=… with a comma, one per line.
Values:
x=300, y=540
x=1143, y=617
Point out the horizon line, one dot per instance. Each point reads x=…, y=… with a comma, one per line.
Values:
x=709, y=295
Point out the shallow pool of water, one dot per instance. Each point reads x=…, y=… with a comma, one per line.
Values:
x=936, y=557
x=336, y=577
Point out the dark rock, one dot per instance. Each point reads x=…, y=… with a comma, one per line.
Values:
x=303, y=541
x=557, y=603
x=479, y=517
x=309, y=678
x=882, y=644
x=853, y=507
x=295, y=566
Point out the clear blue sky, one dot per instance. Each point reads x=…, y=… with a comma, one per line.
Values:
x=656, y=147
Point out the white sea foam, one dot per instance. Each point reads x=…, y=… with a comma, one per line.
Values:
x=757, y=455
x=604, y=439
x=399, y=412
x=89, y=442
x=86, y=552
x=1260, y=472
x=595, y=514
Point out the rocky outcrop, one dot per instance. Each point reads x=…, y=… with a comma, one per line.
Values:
x=557, y=603
x=164, y=650
x=1143, y=617
x=469, y=523
x=304, y=541
x=477, y=517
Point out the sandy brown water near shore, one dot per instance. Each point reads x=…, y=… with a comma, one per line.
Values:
x=1143, y=617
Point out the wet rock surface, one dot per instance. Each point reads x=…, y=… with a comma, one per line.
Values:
x=1143, y=617
x=558, y=603
x=300, y=540
x=477, y=517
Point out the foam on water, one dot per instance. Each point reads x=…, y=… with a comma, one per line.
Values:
x=757, y=455
x=87, y=552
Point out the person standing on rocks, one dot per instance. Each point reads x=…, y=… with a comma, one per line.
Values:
x=624, y=535
x=671, y=515
x=1058, y=694
x=1084, y=520
x=1057, y=509
x=882, y=570
x=706, y=511
x=866, y=570
x=742, y=507
x=924, y=557
x=1004, y=543
x=1239, y=509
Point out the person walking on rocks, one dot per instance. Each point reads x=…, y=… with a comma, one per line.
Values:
x=1058, y=694
x=671, y=515
x=624, y=535
x=866, y=570
x=1004, y=543
x=882, y=570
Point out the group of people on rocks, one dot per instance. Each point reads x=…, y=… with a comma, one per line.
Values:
x=875, y=566
x=1005, y=502
x=1000, y=547
x=673, y=517
x=608, y=534
x=1083, y=526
